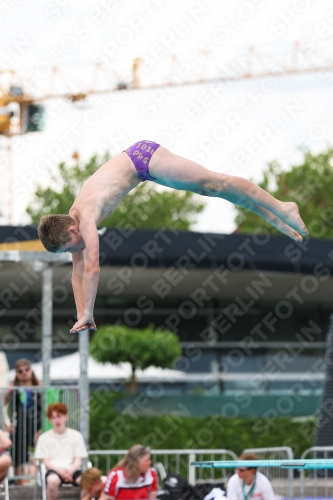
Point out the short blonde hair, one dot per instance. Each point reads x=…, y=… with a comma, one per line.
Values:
x=53, y=231
x=89, y=478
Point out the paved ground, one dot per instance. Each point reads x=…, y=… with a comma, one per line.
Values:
x=28, y=493
x=320, y=488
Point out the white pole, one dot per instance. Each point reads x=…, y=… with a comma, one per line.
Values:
x=84, y=384
x=47, y=313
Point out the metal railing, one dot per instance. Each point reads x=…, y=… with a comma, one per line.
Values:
x=172, y=460
x=317, y=483
x=23, y=413
x=281, y=479
x=4, y=489
x=179, y=461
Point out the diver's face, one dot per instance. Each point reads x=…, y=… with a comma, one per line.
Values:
x=75, y=244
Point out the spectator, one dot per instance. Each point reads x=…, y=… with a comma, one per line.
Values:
x=5, y=460
x=132, y=478
x=249, y=483
x=26, y=415
x=4, y=383
x=61, y=449
x=92, y=484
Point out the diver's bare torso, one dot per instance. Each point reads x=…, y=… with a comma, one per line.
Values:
x=103, y=191
x=101, y=194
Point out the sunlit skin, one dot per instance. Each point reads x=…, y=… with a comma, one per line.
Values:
x=144, y=464
x=103, y=191
x=76, y=244
x=58, y=421
x=247, y=475
x=5, y=460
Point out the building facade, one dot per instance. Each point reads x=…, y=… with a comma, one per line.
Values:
x=251, y=311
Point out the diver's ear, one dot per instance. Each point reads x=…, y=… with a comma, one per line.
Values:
x=73, y=230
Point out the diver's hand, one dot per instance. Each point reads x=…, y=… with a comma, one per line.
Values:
x=85, y=322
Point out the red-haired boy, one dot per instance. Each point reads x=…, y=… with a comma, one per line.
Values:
x=61, y=449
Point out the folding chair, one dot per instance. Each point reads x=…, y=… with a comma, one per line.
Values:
x=42, y=472
x=161, y=470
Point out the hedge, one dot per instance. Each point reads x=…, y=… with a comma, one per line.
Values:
x=109, y=429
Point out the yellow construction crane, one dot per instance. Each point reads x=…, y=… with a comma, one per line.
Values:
x=30, y=88
x=22, y=93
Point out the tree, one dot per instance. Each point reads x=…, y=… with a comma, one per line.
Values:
x=140, y=348
x=310, y=185
x=145, y=207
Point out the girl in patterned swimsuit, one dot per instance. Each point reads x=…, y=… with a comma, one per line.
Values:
x=101, y=194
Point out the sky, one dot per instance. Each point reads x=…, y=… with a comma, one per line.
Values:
x=232, y=127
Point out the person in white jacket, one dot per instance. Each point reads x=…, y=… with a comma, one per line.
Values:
x=249, y=483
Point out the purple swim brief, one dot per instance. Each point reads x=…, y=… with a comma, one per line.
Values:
x=140, y=154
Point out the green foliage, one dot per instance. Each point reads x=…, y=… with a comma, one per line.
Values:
x=141, y=348
x=68, y=181
x=310, y=185
x=145, y=207
x=111, y=430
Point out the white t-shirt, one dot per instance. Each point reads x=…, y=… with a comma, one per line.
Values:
x=263, y=489
x=61, y=449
